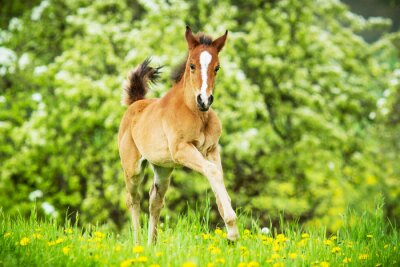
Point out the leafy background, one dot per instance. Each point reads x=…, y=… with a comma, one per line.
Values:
x=310, y=109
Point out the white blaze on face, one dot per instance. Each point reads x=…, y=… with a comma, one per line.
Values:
x=205, y=59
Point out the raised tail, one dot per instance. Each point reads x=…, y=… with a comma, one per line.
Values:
x=137, y=82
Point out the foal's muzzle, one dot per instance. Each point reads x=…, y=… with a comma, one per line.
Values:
x=204, y=106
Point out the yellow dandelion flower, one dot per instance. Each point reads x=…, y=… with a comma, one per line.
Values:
x=346, y=260
x=324, y=264
x=37, y=236
x=335, y=249
x=188, y=264
x=333, y=238
x=276, y=248
x=301, y=243
x=7, y=234
x=242, y=248
x=127, y=262
x=51, y=243
x=24, y=241
x=328, y=242
x=281, y=238
x=278, y=264
x=159, y=254
x=68, y=230
x=275, y=256
x=241, y=264
x=253, y=264
x=210, y=264
x=66, y=250
x=155, y=265
x=267, y=240
x=206, y=236
x=246, y=232
x=99, y=234
x=305, y=235
x=141, y=259
x=292, y=256
x=214, y=250
x=138, y=249
x=220, y=260
x=218, y=232
x=59, y=240
x=363, y=256
x=117, y=248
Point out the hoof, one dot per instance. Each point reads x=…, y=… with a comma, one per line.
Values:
x=231, y=242
x=232, y=237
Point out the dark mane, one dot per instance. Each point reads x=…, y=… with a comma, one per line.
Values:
x=178, y=70
x=204, y=39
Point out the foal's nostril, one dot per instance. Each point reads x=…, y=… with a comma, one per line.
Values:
x=210, y=100
x=199, y=101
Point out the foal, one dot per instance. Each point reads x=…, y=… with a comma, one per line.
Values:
x=179, y=129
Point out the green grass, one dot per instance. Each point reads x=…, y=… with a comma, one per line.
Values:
x=364, y=240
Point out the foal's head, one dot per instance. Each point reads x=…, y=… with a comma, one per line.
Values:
x=202, y=66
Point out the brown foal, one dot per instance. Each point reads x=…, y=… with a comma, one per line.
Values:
x=179, y=129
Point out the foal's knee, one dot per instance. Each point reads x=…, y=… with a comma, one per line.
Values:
x=212, y=171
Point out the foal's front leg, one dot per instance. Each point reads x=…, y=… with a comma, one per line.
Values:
x=160, y=185
x=188, y=155
x=214, y=157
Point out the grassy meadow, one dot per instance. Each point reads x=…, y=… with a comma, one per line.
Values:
x=364, y=240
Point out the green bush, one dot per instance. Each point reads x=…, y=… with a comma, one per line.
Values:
x=298, y=95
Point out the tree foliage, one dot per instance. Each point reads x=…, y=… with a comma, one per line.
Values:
x=303, y=99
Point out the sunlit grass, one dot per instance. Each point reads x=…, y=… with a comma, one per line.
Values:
x=364, y=240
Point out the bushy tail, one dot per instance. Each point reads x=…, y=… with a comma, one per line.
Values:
x=137, y=82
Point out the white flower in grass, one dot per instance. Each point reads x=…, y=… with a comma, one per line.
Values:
x=35, y=195
x=49, y=209
x=265, y=231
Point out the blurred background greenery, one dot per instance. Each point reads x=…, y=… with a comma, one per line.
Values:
x=309, y=101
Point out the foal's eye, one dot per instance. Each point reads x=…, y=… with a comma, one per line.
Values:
x=192, y=66
x=216, y=69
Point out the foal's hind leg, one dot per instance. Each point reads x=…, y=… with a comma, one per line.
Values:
x=133, y=167
x=160, y=185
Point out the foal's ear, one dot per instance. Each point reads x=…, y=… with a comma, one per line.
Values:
x=220, y=42
x=192, y=42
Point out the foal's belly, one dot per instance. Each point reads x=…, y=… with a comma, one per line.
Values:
x=151, y=141
x=153, y=146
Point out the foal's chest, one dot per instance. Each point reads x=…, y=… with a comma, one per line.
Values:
x=203, y=143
